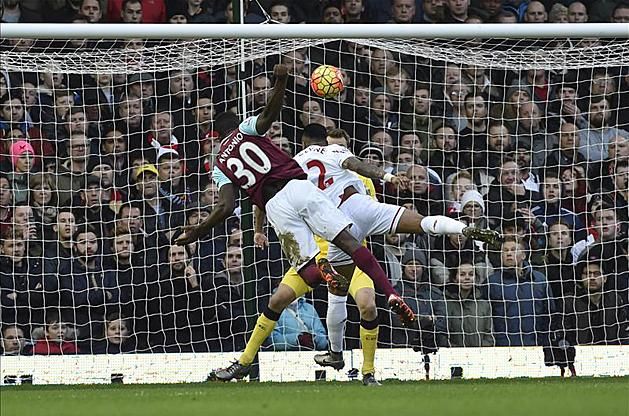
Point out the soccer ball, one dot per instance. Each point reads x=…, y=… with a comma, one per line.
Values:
x=327, y=81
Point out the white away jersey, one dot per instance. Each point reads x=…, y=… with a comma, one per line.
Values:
x=324, y=166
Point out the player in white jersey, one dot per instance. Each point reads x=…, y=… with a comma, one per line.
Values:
x=331, y=168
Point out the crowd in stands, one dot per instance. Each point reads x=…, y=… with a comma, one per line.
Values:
x=99, y=173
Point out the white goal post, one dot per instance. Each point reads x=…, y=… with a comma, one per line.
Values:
x=224, y=65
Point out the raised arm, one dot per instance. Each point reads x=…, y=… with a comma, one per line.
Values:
x=274, y=106
x=222, y=210
x=373, y=172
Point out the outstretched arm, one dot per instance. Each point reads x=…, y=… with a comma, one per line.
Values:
x=373, y=172
x=222, y=210
x=273, y=107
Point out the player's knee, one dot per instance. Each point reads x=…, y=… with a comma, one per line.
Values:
x=346, y=242
x=368, y=311
x=282, y=297
x=366, y=302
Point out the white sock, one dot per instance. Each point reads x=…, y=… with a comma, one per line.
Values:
x=440, y=225
x=336, y=318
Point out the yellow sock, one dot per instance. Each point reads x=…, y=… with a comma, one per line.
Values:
x=369, y=341
x=264, y=327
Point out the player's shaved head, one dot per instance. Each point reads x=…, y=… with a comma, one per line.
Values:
x=314, y=134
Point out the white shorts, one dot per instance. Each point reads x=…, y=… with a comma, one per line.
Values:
x=299, y=211
x=369, y=217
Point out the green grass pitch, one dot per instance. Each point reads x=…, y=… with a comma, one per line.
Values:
x=519, y=397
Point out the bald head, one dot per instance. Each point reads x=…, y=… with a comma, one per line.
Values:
x=535, y=13
x=577, y=13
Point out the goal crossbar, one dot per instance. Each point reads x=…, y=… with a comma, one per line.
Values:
x=312, y=31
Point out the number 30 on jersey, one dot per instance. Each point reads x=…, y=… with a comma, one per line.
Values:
x=244, y=170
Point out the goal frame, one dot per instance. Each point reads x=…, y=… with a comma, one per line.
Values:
x=167, y=367
x=313, y=31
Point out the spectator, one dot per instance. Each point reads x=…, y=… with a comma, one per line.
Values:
x=173, y=185
x=458, y=11
x=606, y=230
x=473, y=138
x=523, y=156
x=443, y=158
x=499, y=143
x=549, y=209
x=13, y=341
x=520, y=298
x=199, y=12
x=473, y=207
x=70, y=178
x=57, y=339
x=592, y=315
x=177, y=12
x=92, y=208
x=281, y=12
x=620, y=14
x=6, y=202
x=566, y=154
x=425, y=190
x=43, y=200
x=175, y=313
x=434, y=11
x=121, y=261
x=456, y=185
x=565, y=109
x=161, y=132
x=24, y=288
x=156, y=212
x=230, y=302
x=299, y=328
x=416, y=115
x=131, y=11
x=412, y=143
x=58, y=249
x=441, y=263
x=284, y=144
x=425, y=299
x=621, y=186
x=92, y=10
x=535, y=13
x=558, y=14
x=403, y=11
x=507, y=192
x=22, y=154
x=595, y=140
x=557, y=263
x=469, y=316
x=86, y=287
x=332, y=14
x=531, y=129
x=577, y=12
x=118, y=337
x=601, y=174
x=354, y=11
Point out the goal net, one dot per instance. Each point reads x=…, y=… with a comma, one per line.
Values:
x=106, y=151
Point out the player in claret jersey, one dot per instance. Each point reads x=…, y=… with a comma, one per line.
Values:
x=295, y=208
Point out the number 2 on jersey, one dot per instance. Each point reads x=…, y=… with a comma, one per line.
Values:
x=322, y=183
